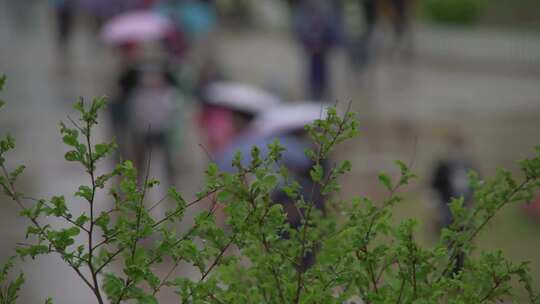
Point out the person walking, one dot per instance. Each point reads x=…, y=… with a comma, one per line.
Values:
x=450, y=181
x=153, y=107
x=285, y=123
x=316, y=27
x=65, y=15
x=372, y=12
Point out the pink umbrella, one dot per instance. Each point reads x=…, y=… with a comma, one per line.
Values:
x=137, y=26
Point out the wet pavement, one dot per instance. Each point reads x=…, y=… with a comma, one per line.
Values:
x=486, y=84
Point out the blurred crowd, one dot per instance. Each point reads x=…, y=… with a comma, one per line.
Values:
x=167, y=62
x=166, y=53
x=165, y=50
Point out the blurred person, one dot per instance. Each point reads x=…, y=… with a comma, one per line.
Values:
x=196, y=18
x=316, y=27
x=195, y=22
x=398, y=11
x=285, y=123
x=65, y=17
x=152, y=114
x=226, y=116
x=127, y=80
x=353, y=31
x=450, y=180
x=227, y=110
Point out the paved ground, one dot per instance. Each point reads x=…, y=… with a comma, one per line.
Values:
x=485, y=83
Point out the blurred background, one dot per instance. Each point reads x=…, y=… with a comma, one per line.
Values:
x=444, y=85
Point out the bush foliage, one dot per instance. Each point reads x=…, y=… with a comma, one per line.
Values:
x=256, y=257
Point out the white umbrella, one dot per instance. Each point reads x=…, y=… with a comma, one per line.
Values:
x=288, y=117
x=240, y=97
x=137, y=26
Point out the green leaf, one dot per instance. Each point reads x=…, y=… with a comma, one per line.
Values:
x=72, y=156
x=32, y=251
x=70, y=140
x=113, y=286
x=3, y=79
x=101, y=148
x=82, y=219
x=317, y=173
x=385, y=180
x=7, y=144
x=102, y=179
x=85, y=192
x=60, y=207
x=103, y=221
x=79, y=105
x=223, y=196
x=13, y=289
x=15, y=173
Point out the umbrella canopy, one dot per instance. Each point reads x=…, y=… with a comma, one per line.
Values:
x=288, y=117
x=293, y=156
x=240, y=97
x=138, y=26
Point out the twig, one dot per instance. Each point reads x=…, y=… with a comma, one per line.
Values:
x=166, y=278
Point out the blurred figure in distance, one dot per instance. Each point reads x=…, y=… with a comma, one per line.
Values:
x=227, y=110
x=65, y=17
x=316, y=27
x=153, y=107
x=285, y=123
x=449, y=181
x=396, y=10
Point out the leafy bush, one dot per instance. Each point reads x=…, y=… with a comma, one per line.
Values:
x=258, y=257
x=456, y=12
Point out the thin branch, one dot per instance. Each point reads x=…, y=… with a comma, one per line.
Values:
x=299, y=285
x=91, y=172
x=129, y=281
x=164, y=219
x=42, y=233
x=401, y=288
x=455, y=251
x=158, y=203
x=370, y=269
x=208, y=154
x=67, y=219
x=109, y=259
x=166, y=278
x=218, y=258
x=211, y=295
x=75, y=124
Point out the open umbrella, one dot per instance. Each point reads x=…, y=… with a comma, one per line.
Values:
x=240, y=97
x=137, y=26
x=289, y=117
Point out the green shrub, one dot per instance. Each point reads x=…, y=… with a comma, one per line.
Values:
x=453, y=12
x=359, y=253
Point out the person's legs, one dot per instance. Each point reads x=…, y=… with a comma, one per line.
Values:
x=65, y=16
x=318, y=83
x=400, y=22
x=168, y=156
x=370, y=17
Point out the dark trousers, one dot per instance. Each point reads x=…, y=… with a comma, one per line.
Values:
x=371, y=16
x=318, y=74
x=65, y=17
x=145, y=144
